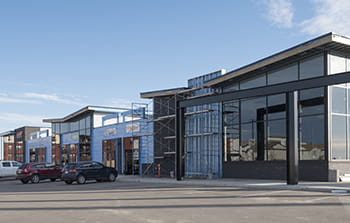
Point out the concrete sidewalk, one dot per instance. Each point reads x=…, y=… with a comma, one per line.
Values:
x=330, y=187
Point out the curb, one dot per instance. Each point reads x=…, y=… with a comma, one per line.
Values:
x=250, y=185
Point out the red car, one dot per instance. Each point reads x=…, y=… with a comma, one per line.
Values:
x=35, y=172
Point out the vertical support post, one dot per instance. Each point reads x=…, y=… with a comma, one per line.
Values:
x=180, y=141
x=292, y=138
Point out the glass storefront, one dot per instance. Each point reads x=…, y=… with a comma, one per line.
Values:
x=255, y=129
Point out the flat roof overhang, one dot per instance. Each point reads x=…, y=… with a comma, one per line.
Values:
x=162, y=93
x=328, y=41
x=85, y=110
x=7, y=133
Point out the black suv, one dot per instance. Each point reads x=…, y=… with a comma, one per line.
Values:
x=87, y=170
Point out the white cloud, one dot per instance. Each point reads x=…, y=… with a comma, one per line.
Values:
x=6, y=99
x=51, y=97
x=21, y=119
x=280, y=12
x=330, y=15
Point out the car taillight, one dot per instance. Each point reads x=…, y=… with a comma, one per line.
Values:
x=73, y=171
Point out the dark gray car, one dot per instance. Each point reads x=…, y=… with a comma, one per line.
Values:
x=88, y=170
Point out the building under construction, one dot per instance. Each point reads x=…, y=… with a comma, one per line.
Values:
x=202, y=153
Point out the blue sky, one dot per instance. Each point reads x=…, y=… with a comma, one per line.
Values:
x=59, y=56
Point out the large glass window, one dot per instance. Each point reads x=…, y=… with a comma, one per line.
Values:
x=253, y=109
x=249, y=148
x=340, y=121
x=276, y=140
x=284, y=74
x=312, y=138
x=339, y=137
x=311, y=135
x=311, y=101
x=339, y=99
x=312, y=67
x=256, y=81
x=337, y=63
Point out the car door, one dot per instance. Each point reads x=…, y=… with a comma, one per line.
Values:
x=99, y=170
x=14, y=167
x=6, y=168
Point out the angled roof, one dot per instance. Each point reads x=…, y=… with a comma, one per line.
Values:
x=85, y=110
x=7, y=133
x=160, y=93
x=318, y=43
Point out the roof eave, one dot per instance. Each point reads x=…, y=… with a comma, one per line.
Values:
x=322, y=40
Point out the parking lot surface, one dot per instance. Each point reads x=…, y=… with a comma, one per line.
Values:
x=157, y=203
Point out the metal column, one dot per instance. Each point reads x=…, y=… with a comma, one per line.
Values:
x=292, y=138
x=180, y=141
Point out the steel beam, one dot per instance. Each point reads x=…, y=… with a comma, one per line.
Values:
x=292, y=138
x=180, y=141
x=268, y=90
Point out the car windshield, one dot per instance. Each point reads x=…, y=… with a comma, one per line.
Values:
x=22, y=166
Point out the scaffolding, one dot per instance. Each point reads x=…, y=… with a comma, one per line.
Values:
x=202, y=144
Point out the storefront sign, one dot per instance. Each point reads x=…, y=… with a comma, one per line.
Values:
x=135, y=127
x=74, y=137
x=109, y=132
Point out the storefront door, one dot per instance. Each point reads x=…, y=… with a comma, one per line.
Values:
x=108, y=153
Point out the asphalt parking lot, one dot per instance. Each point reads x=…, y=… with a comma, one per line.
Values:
x=157, y=203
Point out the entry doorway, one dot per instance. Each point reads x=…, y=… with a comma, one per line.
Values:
x=37, y=155
x=69, y=153
x=131, y=155
x=108, y=153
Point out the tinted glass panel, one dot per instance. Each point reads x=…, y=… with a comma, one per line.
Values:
x=248, y=142
x=312, y=67
x=231, y=143
x=338, y=137
x=311, y=101
x=312, y=138
x=276, y=106
x=338, y=100
x=231, y=113
x=256, y=81
x=253, y=109
x=233, y=87
x=283, y=75
x=337, y=63
x=276, y=140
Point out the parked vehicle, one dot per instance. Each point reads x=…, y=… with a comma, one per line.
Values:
x=88, y=170
x=35, y=172
x=8, y=168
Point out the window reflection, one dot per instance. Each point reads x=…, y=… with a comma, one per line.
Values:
x=253, y=109
x=248, y=147
x=256, y=81
x=312, y=67
x=312, y=138
x=284, y=74
x=276, y=141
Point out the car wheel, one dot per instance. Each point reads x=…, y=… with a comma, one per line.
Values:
x=24, y=181
x=53, y=179
x=111, y=177
x=81, y=179
x=68, y=182
x=35, y=179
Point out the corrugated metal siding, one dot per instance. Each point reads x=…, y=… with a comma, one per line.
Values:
x=203, y=131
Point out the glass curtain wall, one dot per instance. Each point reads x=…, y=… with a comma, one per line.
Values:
x=339, y=96
x=255, y=129
x=83, y=127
